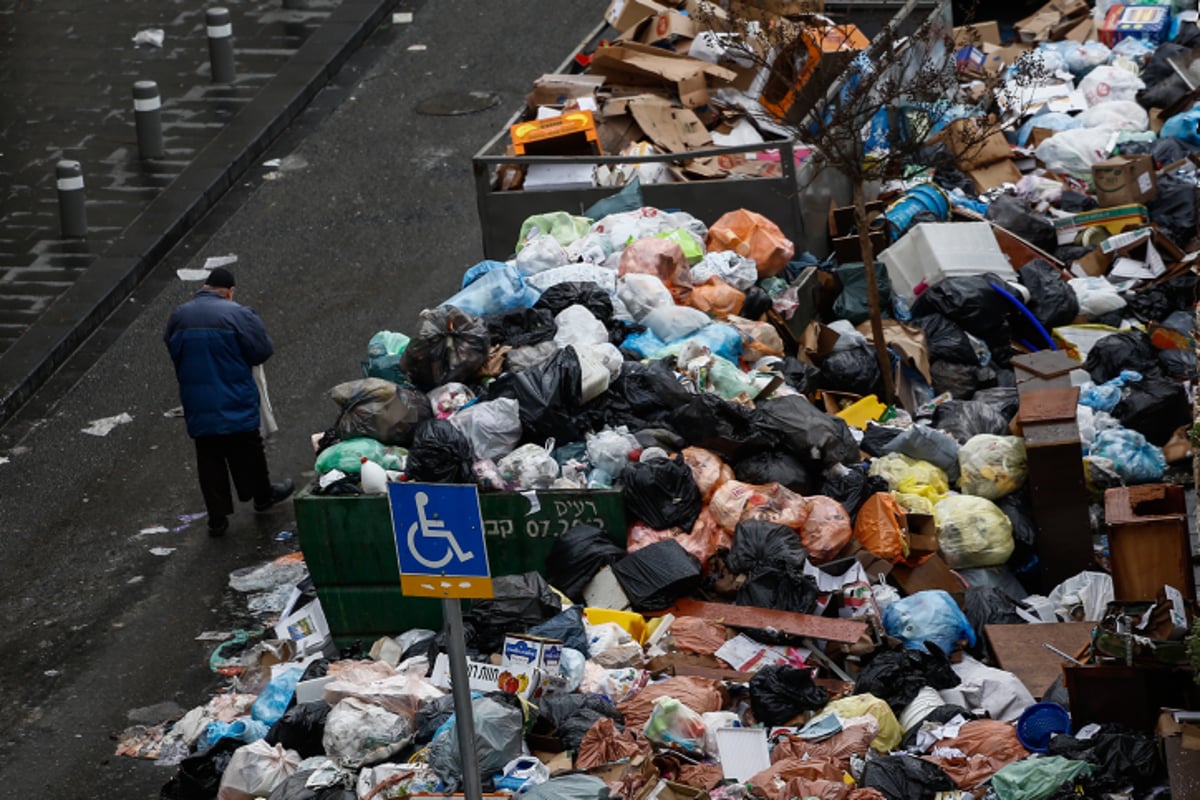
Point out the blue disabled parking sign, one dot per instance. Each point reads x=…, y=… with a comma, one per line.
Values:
x=439, y=540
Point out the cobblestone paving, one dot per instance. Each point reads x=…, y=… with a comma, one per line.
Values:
x=66, y=73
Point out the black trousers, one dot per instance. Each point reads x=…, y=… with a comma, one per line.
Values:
x=240, y=455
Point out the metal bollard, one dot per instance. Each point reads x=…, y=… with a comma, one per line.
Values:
x=72, y=216
x=147, y=116
x=220, y=44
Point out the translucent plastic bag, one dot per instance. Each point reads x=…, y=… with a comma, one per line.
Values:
x=529, y=467
x=673, y=724
x=928, y=616
x=1097, y=296
x=347, y=456
x=594, y=374
x=670, y=323
x=577, y=325
x=561, y=226
x=661, y=258
x=358, y=733
x=909, y=476
x=882, y=527
x=992, y=466
x=973, y=532
x=603, y=277
x=718, y=338
x=1106, y=84
x=274, y=699
x=1119, y=115
x=826, y=530
x=709, y=471
x=642, y=293
x=1106, y=396
x=717, y=298
x=759, y=339
x=494, y=292
x=498, y=740
x=752, y=235
x=540, y=253
x=1081, y=57
x=493, y=428
x=737, y=270
x=1075, y=151
x=1134, y=458
x=450, y=345
x=1037, y=777
x=449, y=398
x=736, y=501
x=610, y=448
x=379, y=409
x=592, y=248
x=693, y=248
x=864, y=705
x=255, y=770
x=627, y=226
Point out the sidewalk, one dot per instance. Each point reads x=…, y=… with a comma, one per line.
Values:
x=66, y=73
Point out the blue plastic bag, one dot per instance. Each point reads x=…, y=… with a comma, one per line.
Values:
x=493, y=291
x=1051, y=120
x=243, y=730
x=1134, y=459
x=479, y=270
x=273, y=701
x=721, y=339
x=1105, y=396
x=1184, y=126
x=928, y=616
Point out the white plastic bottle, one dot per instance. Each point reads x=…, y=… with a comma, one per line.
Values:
x=374, y=477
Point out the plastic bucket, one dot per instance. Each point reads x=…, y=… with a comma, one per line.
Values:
x=901, y=214
x=1038, y=724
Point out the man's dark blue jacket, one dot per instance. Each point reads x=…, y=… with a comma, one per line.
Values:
x=214, y=343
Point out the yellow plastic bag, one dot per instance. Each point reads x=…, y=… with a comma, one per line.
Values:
x=992, y=466
x=908, y=476
x=973, y=532
x=859, y=705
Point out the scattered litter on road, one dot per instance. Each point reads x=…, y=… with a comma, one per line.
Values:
x=402, y=17
x=214, y=636
x=177, y=411
x=416, y=48
x=162, y=551
x=151, y=36
x=153, y=530
x=103, y=427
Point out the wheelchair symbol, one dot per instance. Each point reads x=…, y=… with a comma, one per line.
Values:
x=433, y=529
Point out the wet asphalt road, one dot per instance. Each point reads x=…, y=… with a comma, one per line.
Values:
x=374, y=220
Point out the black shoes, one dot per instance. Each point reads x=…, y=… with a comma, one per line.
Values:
x=279, y=493
x=217, y=526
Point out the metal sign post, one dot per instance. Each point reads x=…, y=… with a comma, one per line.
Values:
x=441, y=551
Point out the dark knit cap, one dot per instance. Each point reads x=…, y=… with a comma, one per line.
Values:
x=219, y=278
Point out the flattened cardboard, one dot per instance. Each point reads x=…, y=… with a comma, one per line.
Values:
x=631, y=62
x=625, y=14
x=673, y=130
x=974, y=144
x=993, y=175
x=556, y=89
x=978, y=33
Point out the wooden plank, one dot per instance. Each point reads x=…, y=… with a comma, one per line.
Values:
x=1048, y=405
x=1018, y=649
x=847, y=631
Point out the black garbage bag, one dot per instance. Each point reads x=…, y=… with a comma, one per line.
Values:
x=1154, y=407
x=905, y=776
x=987, y=605
x=567, y=627
x=851, y=486
x=758, y=543
x=1178, y=364
x=440, y=453
x=895, y=676
x=548, y=395
x=1117, y=753
x=854, y=370
x=450, y=345
x=564, y=295
x=1150, y=305
x=518, y=603
x=1169, y=150
x=1019, y=510
x=521, y=327
x=757, y=303
x=971, y=303
x=662, y=493
x=1173, y=207
x=781, y=587
x=963, y=419
x=1005, y=399
x=946, y=341
x=379, y=409
x=1120, y=351
x=774, y=466
x=950, y=178
x=779, y=693
x=960, y=380
x=728, y=429
x=651, y=391
x=812, y=435
x=876, y=439
x=1069, y=253
x=1164, y=86
x=1051, y=299
x=657, y=575
x=199, y=776
x=1077, y=202
x=941, y=714
x=800, y=375
x=294, y=788
x=431, y=716
x=577, y=556
x=1015, y=216
x=573, y=714
x=301, y=728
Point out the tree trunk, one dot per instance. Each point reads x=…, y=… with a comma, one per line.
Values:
x=868, y=257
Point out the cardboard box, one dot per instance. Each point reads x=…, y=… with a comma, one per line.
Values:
x=633, y=63
x=1114, y=220
x=1150, y=23
x=668, y=26
x=618, y=771
x=537, y=652
x=1051, y=22
x=1140, y=255
x=670, y=790
x=974, y=143
x=993, y=175
x=1122, y=180
x=1179, y=737
x=625, y=14
x=978, y=33
x=524, y=682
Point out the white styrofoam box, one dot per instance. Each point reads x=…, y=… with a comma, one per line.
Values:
x=933, y=251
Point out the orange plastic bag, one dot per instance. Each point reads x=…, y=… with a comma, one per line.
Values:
x=699, y=694
x=754, y=236
x=663, y=259
x=736, y=501
x=826, y=530
x=709, y=471
x=604, y=744
x=700, y=636
x=882, y=527
x=703, y=542
x=717, y=298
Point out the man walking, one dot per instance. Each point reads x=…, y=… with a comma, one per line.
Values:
x=215, y=344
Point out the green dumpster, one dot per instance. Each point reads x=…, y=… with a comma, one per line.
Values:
x=350, y=549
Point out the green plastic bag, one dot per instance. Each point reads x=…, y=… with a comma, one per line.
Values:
x=693, y=251
x=1037, y=778
x=383, y=357
x=347, y=456
x=564, y=227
